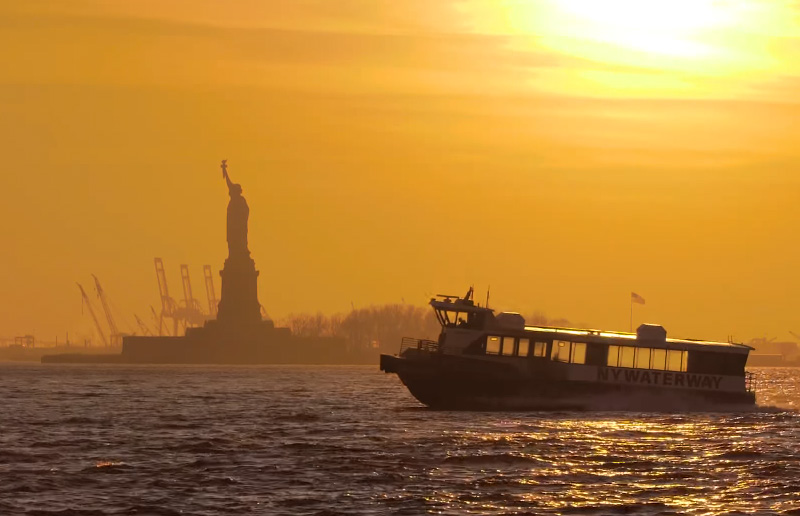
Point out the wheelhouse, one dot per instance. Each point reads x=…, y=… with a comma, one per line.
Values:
x=460, y=313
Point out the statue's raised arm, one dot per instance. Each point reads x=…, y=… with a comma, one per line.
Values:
x=224, y=167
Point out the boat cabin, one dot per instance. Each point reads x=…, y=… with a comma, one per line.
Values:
x=621, y=350
x=475, y=330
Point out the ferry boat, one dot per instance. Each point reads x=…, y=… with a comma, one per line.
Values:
x=488, y=361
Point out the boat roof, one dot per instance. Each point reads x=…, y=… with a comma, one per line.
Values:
x=632, y=339
x=458, y=305
x=647, y=338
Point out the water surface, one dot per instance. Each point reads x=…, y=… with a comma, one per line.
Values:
x=98, y=440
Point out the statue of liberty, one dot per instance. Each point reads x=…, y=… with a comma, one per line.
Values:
x=238, y=213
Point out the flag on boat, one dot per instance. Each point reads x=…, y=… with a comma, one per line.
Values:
x=636, y=298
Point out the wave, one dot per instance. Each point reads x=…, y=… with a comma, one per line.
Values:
x=493, y=459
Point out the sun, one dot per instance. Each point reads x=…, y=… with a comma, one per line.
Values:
x=636, y=32
x=671, y=28
x=641, y=48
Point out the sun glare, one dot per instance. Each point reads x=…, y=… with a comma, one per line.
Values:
x=654, y=47
x=671, y=28
x=663, y=34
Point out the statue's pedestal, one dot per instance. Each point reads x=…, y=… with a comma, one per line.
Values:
x=238, y=305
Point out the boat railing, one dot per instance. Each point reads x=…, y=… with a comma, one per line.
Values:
x=750, y=381
x=425, y=345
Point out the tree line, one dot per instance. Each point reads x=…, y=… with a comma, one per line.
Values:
x=381, y=327
x=376, y=327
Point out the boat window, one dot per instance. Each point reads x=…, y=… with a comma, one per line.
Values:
x=709, y=362
x=626, y=356
x=508, y=345
x=522, y=348
x=454, y=319
x=613, y=356
x=560, y=351
x=675, y=360
x=643, y=358
x=540, y=349
x=659, y=359
x=578, y=355
x=493, y=345
x=647, y=358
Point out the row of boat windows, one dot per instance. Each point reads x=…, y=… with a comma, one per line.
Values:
x=563, y=351
x=647, y=358
x=509, y=346
x=575, y=353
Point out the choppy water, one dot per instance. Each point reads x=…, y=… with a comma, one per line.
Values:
x=350, y=440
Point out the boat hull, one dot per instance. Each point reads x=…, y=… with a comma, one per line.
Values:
x=458, y=383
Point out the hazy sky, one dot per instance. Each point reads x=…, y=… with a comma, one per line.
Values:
x=565, y=153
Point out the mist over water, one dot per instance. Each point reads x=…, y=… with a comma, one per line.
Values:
x=351, y=440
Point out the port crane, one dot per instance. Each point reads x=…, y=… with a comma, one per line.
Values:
x=186, y=314
x=168, y=305
x=115, y=336
x=212, y=296
x=97, y=325
x=191, y=314
x=142, y=326
x=157, y=320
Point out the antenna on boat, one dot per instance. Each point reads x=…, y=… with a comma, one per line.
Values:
x=487, y=295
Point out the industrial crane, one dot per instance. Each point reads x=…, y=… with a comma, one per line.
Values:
x=796, y=336
x=168, y=305
x=157, y=320
x=142, y=326
x=88, y=304
x=191, y=314
x=212, y=296
x=115, y=336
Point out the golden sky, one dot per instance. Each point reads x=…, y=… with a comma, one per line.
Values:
x=565, y=153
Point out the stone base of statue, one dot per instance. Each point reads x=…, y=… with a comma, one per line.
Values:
x=238, y=305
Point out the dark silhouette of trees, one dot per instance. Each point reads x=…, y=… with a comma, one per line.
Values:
x=310, y=325
x=381, y=328
x=376, y=327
